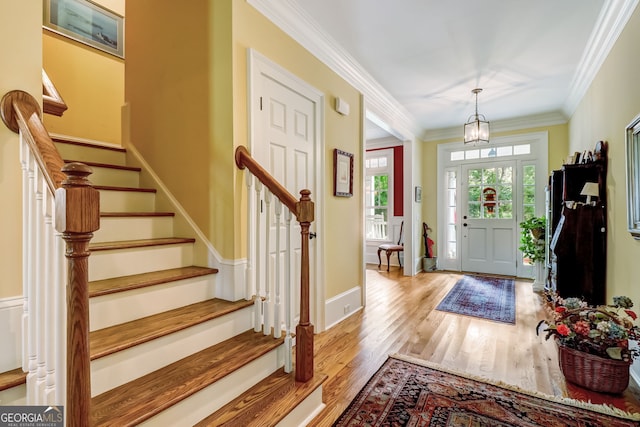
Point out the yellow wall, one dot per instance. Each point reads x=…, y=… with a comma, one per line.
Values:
x=90, y=81
x=343, y=216
x=21, y=54
x=610, y=104
x=558, y=146
x=188, y=88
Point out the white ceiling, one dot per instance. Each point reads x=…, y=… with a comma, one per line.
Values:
x=529, y=57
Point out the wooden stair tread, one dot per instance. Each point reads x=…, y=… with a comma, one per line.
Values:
x=128, y=244
x=265, y=404
x=131, y=189
x=125, y=335
x=102, y=146
x=106, y=165
x=136, y=281
x=12, y=378
x=134, y=214
x=138, y=400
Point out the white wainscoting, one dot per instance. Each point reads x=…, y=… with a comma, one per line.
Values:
x=342, y=306
x=11, y=333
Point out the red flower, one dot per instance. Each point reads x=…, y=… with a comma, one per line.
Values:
x=560, y=309
x=563, y=330
x=631, y=314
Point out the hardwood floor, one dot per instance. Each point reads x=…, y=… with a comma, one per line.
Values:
x=400, y=317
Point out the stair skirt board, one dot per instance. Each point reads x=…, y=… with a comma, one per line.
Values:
x=120, y=307
x=121, y=367
x=306, y=411
x=213, y=397
x=133, y=228
x=106, y=264
x=14, y=396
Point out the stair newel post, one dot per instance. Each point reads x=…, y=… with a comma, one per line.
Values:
x=304, y=330
x=77, y=217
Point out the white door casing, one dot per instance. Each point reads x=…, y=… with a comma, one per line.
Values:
x=285, y=115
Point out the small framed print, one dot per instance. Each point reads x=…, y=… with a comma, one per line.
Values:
x=418, y=194
x=342, y=173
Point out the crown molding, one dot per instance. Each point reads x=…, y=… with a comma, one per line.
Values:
x=519, y=123
x=294, y=21
x=612, y=19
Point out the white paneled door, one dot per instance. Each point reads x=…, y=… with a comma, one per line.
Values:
x=488, y=220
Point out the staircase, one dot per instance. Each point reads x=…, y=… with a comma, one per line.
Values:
x=164, y=350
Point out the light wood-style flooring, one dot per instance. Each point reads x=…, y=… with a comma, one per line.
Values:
x=400, y=317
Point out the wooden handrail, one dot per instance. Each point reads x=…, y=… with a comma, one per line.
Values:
x=77, y=216
x=51, y=99
x=21, y=113
x=304, y=212
x=244, y=159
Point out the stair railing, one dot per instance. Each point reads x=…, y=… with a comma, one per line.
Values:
x=266, y=261
x=59, y=206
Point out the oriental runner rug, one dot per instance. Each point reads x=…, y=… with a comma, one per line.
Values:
x=491, y=298
x=411, y=392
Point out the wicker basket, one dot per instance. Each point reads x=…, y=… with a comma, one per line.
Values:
x=594, y=372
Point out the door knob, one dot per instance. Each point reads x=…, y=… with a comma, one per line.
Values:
x=464, y=224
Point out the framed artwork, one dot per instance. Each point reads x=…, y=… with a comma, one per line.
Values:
x=342, y=173
x=418, y=194
x=86, y=22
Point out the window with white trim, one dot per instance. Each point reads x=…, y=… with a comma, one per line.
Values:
x=378, y=193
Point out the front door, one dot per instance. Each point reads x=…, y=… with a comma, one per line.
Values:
x=489, y=218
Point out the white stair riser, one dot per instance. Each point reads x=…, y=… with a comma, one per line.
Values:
x=124, y=366
x=127, y=201
x=91, y=154
x=14, y=396
x=125, y=262
x=114, y=177
x=306, y=410
x=208, y=400
x=133, y=228
x=121, y=307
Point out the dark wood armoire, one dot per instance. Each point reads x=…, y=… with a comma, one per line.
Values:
x=578, y=246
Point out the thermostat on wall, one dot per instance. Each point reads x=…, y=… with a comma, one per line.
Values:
x=342, y=107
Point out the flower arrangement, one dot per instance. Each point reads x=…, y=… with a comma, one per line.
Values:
x=603, y=330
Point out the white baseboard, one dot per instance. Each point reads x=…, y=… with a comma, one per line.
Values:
x=342, y=306
x=11, y=333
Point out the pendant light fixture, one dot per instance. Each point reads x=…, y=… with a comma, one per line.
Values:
x=477, y=127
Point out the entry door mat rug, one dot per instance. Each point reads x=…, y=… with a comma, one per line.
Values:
x=491, y=298
x=411, y=392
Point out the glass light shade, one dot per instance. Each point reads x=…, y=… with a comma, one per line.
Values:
x=476, y=130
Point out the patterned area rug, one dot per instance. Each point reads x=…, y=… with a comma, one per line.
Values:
x=408, y=392
x=486, y=297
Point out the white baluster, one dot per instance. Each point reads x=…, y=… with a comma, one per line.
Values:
x=257, y=327
x=268, y=315
x=49, y=299
x=277, y=322
x=249, y=282
x=40, y=270
x=288, y=342
x=61, y=319
x=24, y=161
x=31, y=283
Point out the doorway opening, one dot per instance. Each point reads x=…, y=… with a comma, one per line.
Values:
x=484, y=193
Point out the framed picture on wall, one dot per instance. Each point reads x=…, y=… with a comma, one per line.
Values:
x=86, y=22
x=342, y=173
